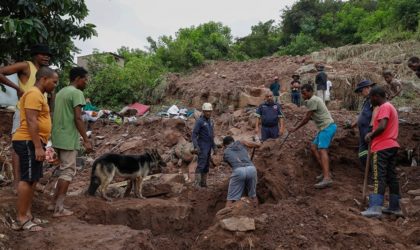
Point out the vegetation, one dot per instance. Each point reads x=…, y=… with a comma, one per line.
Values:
x=306, y=26
x=24, y=23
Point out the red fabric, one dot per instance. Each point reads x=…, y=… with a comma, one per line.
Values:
x=141, y=108
x=388, y=138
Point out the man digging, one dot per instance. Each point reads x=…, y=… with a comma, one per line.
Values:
x=319, y=113
x=68, y=126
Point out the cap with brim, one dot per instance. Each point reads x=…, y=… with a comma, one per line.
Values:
x=363, y=84
x=40, y=49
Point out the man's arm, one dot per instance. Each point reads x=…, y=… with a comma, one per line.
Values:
x=381, y=128
x=32, y=119
x=250, y=144
x=282, y=127
x=398, y=85
x=305, y=120
x=12, y=69
x=78, y=121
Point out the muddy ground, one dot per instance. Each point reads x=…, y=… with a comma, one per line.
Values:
x=291, y=215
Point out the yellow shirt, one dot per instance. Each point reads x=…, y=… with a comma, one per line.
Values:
x=35, y=100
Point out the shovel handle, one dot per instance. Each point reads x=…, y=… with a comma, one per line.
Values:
x=365, y=180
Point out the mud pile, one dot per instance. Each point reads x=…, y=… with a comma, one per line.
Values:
x=177, y=215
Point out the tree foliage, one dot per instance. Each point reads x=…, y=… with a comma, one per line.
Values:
x=24, y=23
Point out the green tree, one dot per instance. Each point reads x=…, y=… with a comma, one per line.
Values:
x=301, y=45
x=55, y=22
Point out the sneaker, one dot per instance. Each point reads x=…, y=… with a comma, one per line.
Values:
x=324, y=184
x=321, y=177
x=373, y=212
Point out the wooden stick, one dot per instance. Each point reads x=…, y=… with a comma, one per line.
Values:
x=365, y=180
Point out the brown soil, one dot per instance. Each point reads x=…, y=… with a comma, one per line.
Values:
x=291, y=215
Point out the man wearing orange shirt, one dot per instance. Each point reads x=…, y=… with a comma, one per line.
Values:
x=29, y=141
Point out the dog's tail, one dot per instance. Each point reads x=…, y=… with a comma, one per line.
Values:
x=95, y=182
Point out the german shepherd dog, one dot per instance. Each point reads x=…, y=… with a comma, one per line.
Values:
x=133, y=167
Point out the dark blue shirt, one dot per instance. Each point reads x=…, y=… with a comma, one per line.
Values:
x=321, y=81
x=364, y=119
x=237, y=156
x=275, y=88
x=202, y=134
x=270, y=113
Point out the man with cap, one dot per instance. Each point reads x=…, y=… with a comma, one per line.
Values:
x=270, y=116
x=275, y=89
x=364, y=119
x=203, y=141
x=321, y=82
x=26, y=72
x=414, y=65
x=295, y=89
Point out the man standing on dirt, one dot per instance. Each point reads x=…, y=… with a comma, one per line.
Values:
x=203, y=141
x=414, y=65
x=319, y=113
x=321, y=82
x=29, y=142
x=68, y=126
x=270, y=116
x=26, y=72
x=384, y=149
x=275, y=89
x=393, y=87
x=244, y=173
x=364, y=119
x=295, y=89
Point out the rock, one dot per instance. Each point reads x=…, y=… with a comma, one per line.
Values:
x=241, y=224
x=162, y=184
x=263, y=218
x=235, y=131
x=301, y=237
x=414, y=192
x=100, y=137
x=134, y=142
x=416, y=200
x=248, y=100
x=310, y=68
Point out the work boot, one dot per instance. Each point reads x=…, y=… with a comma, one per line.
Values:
x=324, y=184
x=394, y=206
x=375, y=206
x=203, y=181
x=197, y=182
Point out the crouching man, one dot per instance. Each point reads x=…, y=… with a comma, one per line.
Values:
x=384, y=147
x=244, y=173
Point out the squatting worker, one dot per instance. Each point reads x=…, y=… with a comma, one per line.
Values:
x=29, y=143
x=319, y=113
x=271, y=117
x=275, y=89
x=384, y=149
x=364, y=119
x=68, y=127
x=414, y=65
x=244, y=173
x=203, y=141
x=26, y=72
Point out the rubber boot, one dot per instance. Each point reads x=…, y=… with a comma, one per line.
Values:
x=375, y=206
x=394, y=206
x=203, y=181
x=197, y=182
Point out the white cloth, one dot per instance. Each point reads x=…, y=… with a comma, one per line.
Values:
x=327, y=92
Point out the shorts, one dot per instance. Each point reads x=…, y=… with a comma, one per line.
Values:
x=67, y=163
x=324, y=137
x=16, y=121
x=241, y=178
x=30, y=169
x=269, y=133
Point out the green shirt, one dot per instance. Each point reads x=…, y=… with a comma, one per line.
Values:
x=321, y=116
x=64, y=132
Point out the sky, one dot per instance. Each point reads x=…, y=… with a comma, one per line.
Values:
x=129, y=22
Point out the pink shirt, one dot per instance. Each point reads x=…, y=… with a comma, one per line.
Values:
x=388, y=138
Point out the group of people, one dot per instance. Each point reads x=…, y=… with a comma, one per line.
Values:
x=38, y=119
x=323, y=87
x=378, y=132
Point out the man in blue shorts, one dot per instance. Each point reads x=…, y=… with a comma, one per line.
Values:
x=244, y=173
x=318, y=112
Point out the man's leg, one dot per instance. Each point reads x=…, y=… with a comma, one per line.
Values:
x=325, y=137
x=67, y=172
x=251, y=184
x=393, y=184
x=316, y=153
x=325, y=163
x=15, y=165
x=236, y=186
